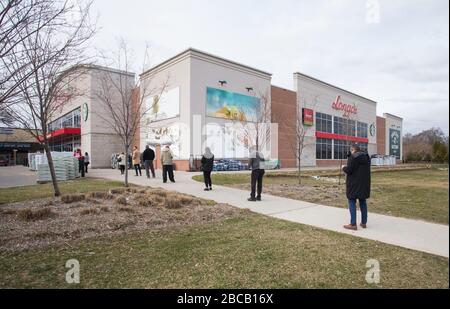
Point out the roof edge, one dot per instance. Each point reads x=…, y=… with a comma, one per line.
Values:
x=392, y=115
x=197, y=51
x=336, y=87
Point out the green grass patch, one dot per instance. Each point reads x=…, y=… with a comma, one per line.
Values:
x=417, y=194
x=226, y=179
x=251, y=251
x=18, y=194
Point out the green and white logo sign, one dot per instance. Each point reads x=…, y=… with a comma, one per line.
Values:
x=85, y=111
x=372, y=129
x=394, y=143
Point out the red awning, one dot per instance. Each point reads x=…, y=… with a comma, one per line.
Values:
x=341, y=137
x=63, y=132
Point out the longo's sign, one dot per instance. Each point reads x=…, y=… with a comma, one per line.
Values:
x=346, y=108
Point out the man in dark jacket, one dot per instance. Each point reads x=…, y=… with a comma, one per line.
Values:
x=358, y=185
x=148, y=156
x=256, y=163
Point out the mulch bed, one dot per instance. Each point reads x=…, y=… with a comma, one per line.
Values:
x=54, y=221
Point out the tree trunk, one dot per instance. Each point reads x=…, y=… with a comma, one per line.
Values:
x=299, y=168
x=51, y=167
x=126, y=166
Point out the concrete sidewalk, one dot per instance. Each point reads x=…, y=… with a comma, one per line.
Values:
x=413, y=234
x=16, y=176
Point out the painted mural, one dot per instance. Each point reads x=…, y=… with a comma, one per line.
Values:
x=230, y=105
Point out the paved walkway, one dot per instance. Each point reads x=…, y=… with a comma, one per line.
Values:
x=16, y=176
x=412, y=234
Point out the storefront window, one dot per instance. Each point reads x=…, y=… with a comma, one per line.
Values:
x=362, y=129
x=324, y=123
x=66, y=144
x=323, y=148
x=344, y=126
x=69, y=120
x=363, y=146
x=341, y=148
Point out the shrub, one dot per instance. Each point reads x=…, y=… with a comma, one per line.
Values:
x=29, y=215
x=90, y=211
x=93, y=201
x=8, y=211
x=117, y=190
x=76, y=205
x=71, y=198
x=122, y=190
x=126, y=209
x=131, y=190
x=122, y=200
x=104, y=208
x=100, y=195
x=159, y=192
x=157, y=199
x=173, y=202
x=146, y=201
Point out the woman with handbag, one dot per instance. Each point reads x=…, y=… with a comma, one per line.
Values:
x=207, y=167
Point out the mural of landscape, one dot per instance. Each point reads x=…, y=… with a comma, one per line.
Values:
x=231, y=105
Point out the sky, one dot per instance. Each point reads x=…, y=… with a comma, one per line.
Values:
x=393, y=52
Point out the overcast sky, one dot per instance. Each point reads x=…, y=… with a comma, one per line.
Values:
x=398, y=57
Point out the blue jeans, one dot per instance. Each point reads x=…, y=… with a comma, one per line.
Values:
x=352, y=208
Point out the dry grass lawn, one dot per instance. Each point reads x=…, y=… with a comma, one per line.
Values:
x=245, y=251
x=417, y=194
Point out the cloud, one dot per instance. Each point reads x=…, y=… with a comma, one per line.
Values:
x=401, y=62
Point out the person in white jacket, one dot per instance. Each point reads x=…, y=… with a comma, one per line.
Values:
x=122, y=160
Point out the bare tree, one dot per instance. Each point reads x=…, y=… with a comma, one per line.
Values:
x=294, y=126
x=44, y=64
x=255, y=130
x=125, y=99
x=19, y=20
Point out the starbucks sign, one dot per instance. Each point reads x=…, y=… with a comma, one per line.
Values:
x=372, y=129
x=394, y=143
x=85, y=111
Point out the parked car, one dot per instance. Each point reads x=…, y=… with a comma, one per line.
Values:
x=4, y=162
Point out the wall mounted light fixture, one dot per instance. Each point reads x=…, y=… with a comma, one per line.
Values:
x=249, y=89
x=222, y=82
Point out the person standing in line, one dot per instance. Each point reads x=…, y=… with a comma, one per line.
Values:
x=80, y=158
x=256, y=163
x=357, y=185
x=167, y=163
x=207, y=167
x=148, y=156
x=130, y=161
x=137, y=161
x=77, y=153
x=122, y=162
x=87, y=160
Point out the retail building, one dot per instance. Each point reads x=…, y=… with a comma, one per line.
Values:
x=206, y=101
